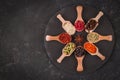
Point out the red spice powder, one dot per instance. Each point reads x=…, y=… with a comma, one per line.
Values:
x=79, y=25
x=65, y=38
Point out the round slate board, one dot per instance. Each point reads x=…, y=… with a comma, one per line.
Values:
x=69, y=64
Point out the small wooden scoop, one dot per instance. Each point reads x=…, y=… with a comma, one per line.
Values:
x=79, y=22
x=96, y=19
x=67, y=25
x=63, y=38
x=94, y=37
x=66, y=51
x=88, y=46
x=79, y=55
x=80, y=63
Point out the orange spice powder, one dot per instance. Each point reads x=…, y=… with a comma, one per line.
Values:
x=90, y=47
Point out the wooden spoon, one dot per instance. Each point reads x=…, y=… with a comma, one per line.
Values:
x=66, y=38
x=67, y=25
x=69, y=46
x=94, y=37
x=79, y=22
x=79, y=55
x=96, y=19
x=97, y=53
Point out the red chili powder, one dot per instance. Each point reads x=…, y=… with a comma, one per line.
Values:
x=65, y=38
x=79, y=25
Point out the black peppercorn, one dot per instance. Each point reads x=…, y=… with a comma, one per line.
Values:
x=91, y=24
x=79, y=51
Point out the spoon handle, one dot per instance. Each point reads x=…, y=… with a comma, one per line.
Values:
x=108, y=37
x=49, y=38
x=59, y=60
x=79, y=12
x=102, y=57
x=99, y=15
x=59, y=16
x=80, y=62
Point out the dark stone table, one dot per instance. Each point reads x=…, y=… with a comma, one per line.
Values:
x=22, y=28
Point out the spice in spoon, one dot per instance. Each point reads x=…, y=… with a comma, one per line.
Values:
x=93, y=37
x=79, y=26
x=91, y=24
x=79, y=51
x=65, y=38
x=90, y=47
x=69, y=48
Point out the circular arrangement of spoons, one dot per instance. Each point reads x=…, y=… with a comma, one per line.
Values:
x=71, y=42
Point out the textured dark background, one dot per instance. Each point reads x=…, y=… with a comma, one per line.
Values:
x=22, y=28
